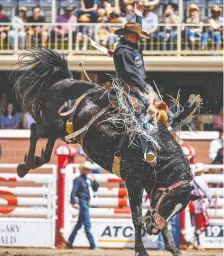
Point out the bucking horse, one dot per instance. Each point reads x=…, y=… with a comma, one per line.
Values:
x=44, y=84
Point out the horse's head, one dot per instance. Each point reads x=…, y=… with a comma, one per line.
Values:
x=167, y=202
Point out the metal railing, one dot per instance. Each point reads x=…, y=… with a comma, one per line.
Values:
x=179, y=40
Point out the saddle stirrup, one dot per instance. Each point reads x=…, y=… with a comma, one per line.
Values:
x=150, y=157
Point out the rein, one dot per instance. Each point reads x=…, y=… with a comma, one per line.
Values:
x=161, y=223
x=72, y=111
x=86, y=127
x=77, y=102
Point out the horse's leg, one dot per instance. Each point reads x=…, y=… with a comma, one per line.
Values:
x=46, y=154
x=32, y=161
x=23, y=169
x=135, y=193
x=169, y=244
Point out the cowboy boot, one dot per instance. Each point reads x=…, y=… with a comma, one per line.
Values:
x=149, y=154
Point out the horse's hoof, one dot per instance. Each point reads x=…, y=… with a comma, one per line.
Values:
x=141, y=253
x=176, y=252
x=22, y=170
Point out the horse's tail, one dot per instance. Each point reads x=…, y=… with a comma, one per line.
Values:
x=38, y=70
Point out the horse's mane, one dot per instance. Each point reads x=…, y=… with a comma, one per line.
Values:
x=39, y=69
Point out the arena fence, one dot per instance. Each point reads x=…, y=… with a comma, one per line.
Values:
x=172, y=39
x=28, y=209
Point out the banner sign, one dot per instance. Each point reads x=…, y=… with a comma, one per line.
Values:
x=111, y=233
x=22, y=232
x=213, y=237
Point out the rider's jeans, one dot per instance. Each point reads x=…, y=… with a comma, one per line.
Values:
x=84, y=218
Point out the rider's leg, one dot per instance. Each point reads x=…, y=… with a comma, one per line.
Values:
x=140, y=96
x=135, y=193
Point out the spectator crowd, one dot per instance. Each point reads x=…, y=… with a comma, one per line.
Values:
x=163, y=29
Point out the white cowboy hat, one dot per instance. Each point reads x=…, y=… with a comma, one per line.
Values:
x=193, y=7
x=86, y=165
x=199, y=167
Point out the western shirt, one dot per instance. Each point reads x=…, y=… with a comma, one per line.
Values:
x=80, y=188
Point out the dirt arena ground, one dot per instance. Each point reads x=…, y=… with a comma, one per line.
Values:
x=98, y=252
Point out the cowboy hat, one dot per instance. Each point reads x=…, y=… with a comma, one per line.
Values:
x=22, y=8
x=132, y=28
x=86, y=165
x=199, y=167
x=84, y=18
x=193, y=7
x=69, y=8
x=149, y=3
x=216, y=8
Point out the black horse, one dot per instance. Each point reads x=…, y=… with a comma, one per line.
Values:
x=43, y=84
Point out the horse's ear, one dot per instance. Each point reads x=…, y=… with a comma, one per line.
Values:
x=194, y=197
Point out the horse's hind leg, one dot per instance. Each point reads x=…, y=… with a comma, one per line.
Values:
x=135, y=193
x=169, y=244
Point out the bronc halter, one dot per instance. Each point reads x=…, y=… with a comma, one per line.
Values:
x=160, y=222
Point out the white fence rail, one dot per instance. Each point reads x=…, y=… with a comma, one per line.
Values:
x=30, y=203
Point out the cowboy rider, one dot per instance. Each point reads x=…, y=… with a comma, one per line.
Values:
x=130, y=68
x=127, y=56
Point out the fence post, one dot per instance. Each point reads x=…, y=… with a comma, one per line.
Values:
x=179, y=39
x=182, y=230
x=70, y=39
x=64, y=153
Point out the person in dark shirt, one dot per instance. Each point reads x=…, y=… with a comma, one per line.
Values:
x=36, y=30
x=3, y=29
x=89, y=7
x=81, y=191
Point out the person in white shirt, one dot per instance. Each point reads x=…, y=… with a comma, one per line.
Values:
x=27, y=120
x=198, y=208
x=18, y=27
x=216, y=146
x=149, y=19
